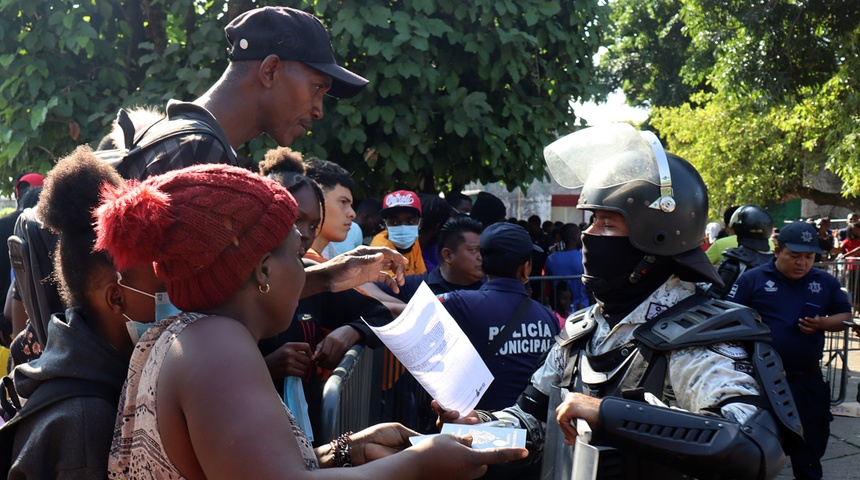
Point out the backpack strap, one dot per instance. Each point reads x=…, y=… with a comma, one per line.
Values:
x=508, y=330
x=181, y=120
x=124, y=121
x=30, y=251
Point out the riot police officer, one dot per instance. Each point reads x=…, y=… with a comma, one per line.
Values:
x=752, y=226
x=652, y=341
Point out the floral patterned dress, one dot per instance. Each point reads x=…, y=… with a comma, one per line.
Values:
x=137, y=450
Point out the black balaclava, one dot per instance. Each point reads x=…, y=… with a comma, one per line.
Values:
x=609, y=262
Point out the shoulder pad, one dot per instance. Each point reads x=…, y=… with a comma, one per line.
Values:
x=578, y=325
x=741, y=253
x=712, y=321
x=750, y=257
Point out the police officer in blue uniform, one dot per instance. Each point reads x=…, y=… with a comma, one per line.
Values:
x=799, y=303
x=509, y=330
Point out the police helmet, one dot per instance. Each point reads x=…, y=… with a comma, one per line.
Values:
x=661, y=196
x=752, y=221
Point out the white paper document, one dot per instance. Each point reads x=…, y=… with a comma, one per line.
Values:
x=430, y=344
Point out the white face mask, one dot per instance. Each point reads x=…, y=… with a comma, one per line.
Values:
x=163, y=309
x=403, y=236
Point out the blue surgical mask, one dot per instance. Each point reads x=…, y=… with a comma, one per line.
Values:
x=294, y=398
x=136, y=329
x=163, y=309
x=403, y=236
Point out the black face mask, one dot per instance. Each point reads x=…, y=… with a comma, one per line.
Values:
x=608, y=263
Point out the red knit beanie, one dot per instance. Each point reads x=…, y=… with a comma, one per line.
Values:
x=204, y=227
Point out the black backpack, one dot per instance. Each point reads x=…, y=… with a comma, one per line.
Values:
x=47, y=394
x=31, y=248
x=143, y=148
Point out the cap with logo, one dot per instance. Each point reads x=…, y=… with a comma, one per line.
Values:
x=291, y=35
x=401, y=200
x=799, y=237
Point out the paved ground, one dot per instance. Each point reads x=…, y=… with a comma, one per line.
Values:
x=842, y=459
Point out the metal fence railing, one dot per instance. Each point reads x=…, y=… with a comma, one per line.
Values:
x=348, y=395
x=834, y=361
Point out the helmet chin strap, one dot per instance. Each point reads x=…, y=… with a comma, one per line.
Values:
x=642, y=268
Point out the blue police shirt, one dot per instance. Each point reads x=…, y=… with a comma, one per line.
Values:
x=438, y=285
x=482, y=313
x=781, y=302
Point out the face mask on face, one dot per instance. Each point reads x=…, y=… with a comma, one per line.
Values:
x=403, y=236
x=163, y=309
x=608, y=263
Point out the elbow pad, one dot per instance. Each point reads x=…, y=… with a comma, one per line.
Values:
x=534, y=403
x=705, y=447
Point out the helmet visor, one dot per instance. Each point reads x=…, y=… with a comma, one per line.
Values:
x=604, y=156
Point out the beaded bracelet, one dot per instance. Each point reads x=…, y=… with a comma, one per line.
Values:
x=340, y=446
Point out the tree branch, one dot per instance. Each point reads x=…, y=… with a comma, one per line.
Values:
x=824, y=198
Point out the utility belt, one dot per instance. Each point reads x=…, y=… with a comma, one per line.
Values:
x=797, y=376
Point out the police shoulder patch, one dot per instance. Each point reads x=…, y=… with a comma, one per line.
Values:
x=732, y=350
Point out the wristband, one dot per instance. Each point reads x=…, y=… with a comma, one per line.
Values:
x=340, y=447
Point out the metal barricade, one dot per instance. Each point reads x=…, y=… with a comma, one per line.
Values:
x=348, y=395
x=544, y=295
x=834, y=361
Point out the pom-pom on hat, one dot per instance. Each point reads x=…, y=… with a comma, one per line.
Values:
x=204, y=227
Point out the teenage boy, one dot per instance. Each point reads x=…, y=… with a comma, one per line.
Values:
x=401, y=214
x=337, y=186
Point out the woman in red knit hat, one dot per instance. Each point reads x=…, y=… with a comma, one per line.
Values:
x=198, y=401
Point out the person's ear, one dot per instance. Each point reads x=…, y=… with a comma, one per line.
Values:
x=524, y=271
x=115, y=298
x=268, y=69
x=447, y=255
x=261, y=271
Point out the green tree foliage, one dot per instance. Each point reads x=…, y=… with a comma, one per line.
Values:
x=771, y=90
x=648, y=54
x=459, y=91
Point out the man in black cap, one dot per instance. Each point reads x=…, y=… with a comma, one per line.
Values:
x=799, y=303
x=281, y=67
x=509, y=330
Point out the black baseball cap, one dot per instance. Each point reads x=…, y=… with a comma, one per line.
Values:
x=505, y=242
x=291, y=35
x=799, y=237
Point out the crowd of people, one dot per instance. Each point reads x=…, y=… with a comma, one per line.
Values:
x=204, y=304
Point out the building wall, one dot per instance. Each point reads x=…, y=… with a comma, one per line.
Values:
x=536, y=200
